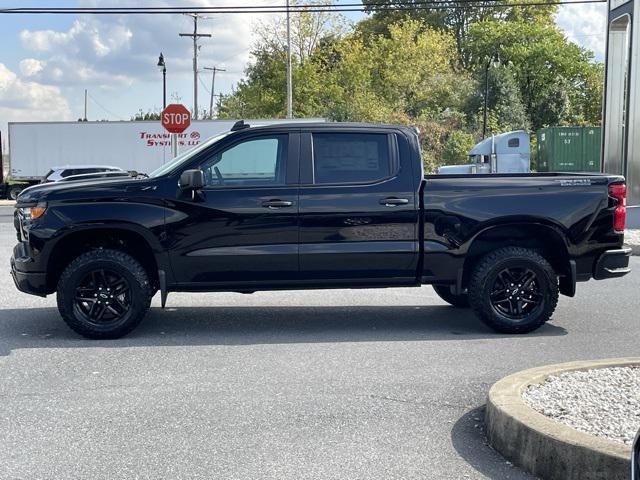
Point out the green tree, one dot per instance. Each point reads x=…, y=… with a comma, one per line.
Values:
x=405, y=74
x=455, y=17
x=148, y=115
x=262, y=93
x=456, y=148
x=551, y=72
x=388, y=78
x=505, y=108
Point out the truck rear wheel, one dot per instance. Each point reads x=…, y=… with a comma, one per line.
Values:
x=14, y=191
x=513, y=290
x=104, y=294
x=444, y=292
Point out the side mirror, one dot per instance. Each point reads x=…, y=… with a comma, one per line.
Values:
x=192, y=180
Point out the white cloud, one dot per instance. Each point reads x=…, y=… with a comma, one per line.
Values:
x=585, y=25
x=30, y=67
x=30, y=101
x=123, y=49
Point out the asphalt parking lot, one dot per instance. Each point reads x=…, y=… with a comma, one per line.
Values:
x=288, y=385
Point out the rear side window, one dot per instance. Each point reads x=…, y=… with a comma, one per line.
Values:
x=350, y=157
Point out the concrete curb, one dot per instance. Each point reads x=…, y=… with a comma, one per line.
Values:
x=544, y=447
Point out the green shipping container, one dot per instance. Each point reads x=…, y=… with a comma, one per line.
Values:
x=569, y=149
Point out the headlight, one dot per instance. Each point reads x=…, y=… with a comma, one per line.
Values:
x=31, y=213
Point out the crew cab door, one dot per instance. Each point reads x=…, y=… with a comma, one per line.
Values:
x=358, y=207
x=241, y=229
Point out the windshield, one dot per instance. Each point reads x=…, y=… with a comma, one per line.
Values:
x=185, y=156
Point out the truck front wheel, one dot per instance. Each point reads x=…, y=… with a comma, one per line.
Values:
x=444, y=292
x=513, y=290
x=104, y=294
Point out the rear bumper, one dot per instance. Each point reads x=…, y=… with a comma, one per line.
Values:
x=612, y=264
x=34, y=283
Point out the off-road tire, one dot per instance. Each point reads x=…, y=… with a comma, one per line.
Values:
x=116, y=261
x=482, y=282
x=444, y=292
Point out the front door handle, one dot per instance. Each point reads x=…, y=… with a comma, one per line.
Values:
x=393, y=201
x=277, y=204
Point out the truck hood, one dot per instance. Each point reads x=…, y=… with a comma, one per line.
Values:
x=42, y=192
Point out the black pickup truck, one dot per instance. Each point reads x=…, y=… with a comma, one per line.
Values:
x=305, y=206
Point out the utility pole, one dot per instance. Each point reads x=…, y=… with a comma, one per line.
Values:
x=213, y=86
x=195, y=35
x=486, y=97
x=85, y=105
x=289, y=86
x=493, y=61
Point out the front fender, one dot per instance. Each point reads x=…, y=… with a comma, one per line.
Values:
x=64, y=220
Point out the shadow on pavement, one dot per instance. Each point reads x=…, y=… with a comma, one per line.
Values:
x=43, y=328
x=469, y=439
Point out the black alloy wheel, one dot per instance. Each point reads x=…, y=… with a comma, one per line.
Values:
x=516, y=293
x=103, y=296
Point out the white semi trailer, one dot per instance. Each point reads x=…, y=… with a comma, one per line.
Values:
x=621, y=122
x=36, y=147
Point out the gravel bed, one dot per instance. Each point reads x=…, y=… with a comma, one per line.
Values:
x=604, y=402
x=632, y=237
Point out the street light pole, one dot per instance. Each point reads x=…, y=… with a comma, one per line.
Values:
x=174, y=137
x=162, y=65
x=164, y=88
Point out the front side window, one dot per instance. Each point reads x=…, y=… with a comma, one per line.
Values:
x=350, y=157
x=254, y=162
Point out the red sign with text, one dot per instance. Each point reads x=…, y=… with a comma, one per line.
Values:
x=175, y=118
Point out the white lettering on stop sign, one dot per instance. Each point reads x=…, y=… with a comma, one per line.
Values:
x=176, y=118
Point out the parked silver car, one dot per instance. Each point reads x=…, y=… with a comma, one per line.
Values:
x=57, y=174
x=93, y=176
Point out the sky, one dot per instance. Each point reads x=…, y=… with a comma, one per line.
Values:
x=47, y=61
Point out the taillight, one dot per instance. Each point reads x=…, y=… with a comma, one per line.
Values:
x=619, y=192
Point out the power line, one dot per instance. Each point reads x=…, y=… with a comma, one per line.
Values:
x=316, y=8
x=213, y=9
x=104, y=108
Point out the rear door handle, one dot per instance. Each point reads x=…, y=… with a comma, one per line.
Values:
x=277, y=204
x=393, y=201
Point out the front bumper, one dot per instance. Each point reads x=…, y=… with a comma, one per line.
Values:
x=612, y=264
x=34, y=283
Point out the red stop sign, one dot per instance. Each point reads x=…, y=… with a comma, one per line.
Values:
x=175, y=118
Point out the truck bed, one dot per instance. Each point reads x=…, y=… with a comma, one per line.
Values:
x=571, y=212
